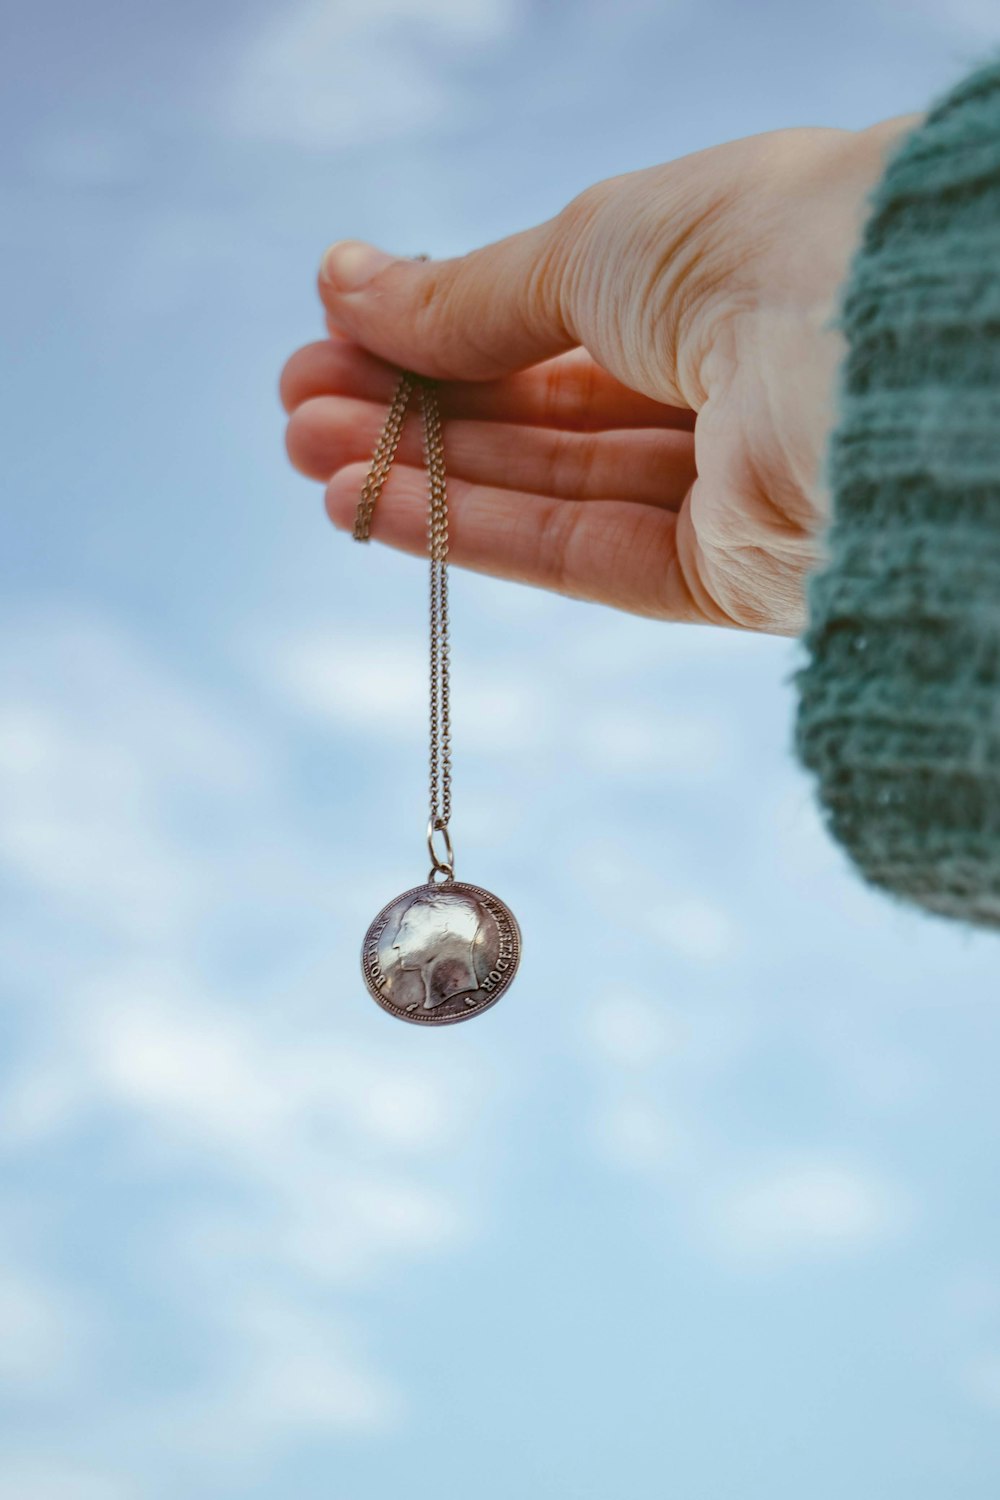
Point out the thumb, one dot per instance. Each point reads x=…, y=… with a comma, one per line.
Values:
x=618, y=270
x=474, y=317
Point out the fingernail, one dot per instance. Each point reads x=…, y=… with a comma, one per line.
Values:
x=351, y=264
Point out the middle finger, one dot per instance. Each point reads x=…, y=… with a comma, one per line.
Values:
x=652, y=465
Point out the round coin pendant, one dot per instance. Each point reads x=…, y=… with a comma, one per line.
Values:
x=441, y=953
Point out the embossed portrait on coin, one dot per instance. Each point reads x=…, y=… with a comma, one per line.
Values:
x=436, y=940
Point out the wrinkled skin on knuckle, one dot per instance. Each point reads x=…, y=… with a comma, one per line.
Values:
x=764, y=593
x=591, y=203
x=438, y=317
x=694, y=574
x=557, y=539
x=562, y=268
x=652, y=260
x=767, y=234
x=753, y=589
x=756, y=529
x=757, y=456
x=692, y=283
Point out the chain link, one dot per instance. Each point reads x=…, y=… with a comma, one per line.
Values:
x=437, y=539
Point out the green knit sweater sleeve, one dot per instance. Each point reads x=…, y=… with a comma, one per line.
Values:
x=898, y=711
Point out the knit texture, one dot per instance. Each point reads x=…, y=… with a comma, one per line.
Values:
x=898, y=709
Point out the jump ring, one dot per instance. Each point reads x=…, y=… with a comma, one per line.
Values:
x=444, y=866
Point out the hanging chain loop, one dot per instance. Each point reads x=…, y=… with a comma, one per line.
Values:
x=437, y=538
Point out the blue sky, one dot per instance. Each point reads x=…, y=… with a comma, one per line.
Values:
x=706, y=1206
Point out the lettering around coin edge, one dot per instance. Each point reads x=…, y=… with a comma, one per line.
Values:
x=377, y=925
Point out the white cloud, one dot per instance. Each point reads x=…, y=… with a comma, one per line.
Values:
x=804, y=853
x=981, y=1381
x=293, y=1369
x=694, y=927
x=636, y=1135
x=373, y=685
x=651, y=1055
x=281, y=1368
x=30, y=1477
x=974, y=21
x=804, y=1210
x=336, y=73
x=378, y=686
x=630, y=1030
x=632, y=738
x=324, y=1227
x=42, y=1333
x=334, y=1145
x=352, y=1228
x=102, y=752
x=972, y=1298
x=322, y=1157
x=39, y=1098
x=315, y=1161
x=81, y=667
x=166, y=1048
x=503, y=711
x=637, y=895
x=618, y=646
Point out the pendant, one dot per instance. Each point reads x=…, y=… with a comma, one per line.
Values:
x=441, y=952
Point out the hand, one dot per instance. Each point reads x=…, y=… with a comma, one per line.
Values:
x=637, y=394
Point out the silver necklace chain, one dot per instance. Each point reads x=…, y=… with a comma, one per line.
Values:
x=437, y=537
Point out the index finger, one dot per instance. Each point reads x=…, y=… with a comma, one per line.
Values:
x=568, y=391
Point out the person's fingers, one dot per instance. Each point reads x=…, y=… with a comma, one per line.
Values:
x=618, y=271
x=607, y=551
x=569, y=391
x=471, y=318
x=648, y=465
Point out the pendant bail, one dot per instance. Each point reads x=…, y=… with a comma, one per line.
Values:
x=440, y=866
